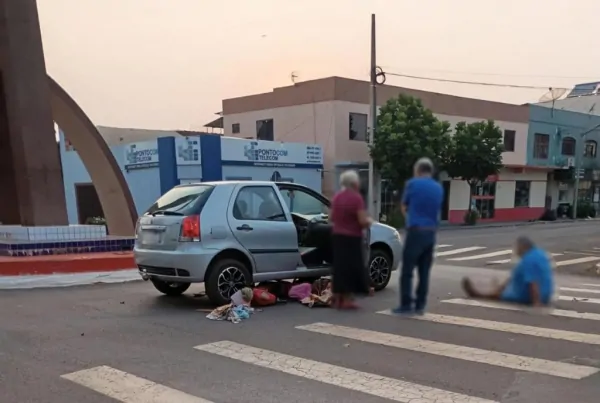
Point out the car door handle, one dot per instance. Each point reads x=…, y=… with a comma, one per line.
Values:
x=245, y=227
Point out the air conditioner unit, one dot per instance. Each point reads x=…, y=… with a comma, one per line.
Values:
x=570, y=162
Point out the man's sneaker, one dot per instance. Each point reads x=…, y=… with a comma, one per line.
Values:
x=403, y=311
x=420, y=312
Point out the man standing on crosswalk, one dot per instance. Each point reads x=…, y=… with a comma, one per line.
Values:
x=421, y=206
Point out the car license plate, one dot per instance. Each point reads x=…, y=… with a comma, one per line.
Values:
x=150, y=237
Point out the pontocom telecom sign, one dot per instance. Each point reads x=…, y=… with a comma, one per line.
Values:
x=270, y=153
x=141, y=155
x=253, y=152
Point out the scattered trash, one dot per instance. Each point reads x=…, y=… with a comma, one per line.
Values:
x=231, y=313
x=244, y=302
x=321, y=294
x=236, y=311
x=242, y=297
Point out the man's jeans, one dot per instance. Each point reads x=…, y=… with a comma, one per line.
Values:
x=418, y=251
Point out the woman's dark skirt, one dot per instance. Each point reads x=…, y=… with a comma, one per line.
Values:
x=350, y=276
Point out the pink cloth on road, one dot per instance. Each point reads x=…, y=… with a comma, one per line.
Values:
x=300, y=291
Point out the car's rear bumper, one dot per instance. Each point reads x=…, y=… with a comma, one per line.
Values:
x=189, y=266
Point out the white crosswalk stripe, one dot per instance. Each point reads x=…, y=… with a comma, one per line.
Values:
x=586, y=259
x=372, y=384
x=521, y=363
x=129, y=388
x=483, y=256
x=457, y=251
x=588, y=290
x=510, y=307
x=503, y=261
x=468, y=255
x=575, y=337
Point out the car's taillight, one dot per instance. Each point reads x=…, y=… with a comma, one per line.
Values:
x=190, y=229
x=137, y=228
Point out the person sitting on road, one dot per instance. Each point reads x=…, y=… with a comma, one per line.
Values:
x=531, y=281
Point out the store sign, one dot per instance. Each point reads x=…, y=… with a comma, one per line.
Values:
x=270, y=153
x=141, y=155
x=187, y=150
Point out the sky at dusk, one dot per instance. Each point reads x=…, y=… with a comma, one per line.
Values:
x=168, y=64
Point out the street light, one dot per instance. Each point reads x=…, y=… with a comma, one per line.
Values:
x=578, y=157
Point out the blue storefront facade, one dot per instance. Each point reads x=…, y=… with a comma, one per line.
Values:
x=560, y=141
x=152, y=167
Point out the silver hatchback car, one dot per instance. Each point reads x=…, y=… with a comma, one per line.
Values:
x=231, y=234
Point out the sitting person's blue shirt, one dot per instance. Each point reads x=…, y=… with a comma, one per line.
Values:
x=535, y=267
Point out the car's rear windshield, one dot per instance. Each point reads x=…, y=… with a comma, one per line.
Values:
x=184, y=200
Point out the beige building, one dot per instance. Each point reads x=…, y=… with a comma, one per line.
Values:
x=334, y=112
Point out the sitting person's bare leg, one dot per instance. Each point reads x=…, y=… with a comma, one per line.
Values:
x=470, y=290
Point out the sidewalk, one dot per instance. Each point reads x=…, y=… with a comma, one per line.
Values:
x=446, y=226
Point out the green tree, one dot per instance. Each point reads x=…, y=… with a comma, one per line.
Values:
x=407, y=131
x=475, y=152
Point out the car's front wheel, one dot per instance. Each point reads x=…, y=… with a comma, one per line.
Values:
x=380, y=269
x=169, y=287
x=226, y=277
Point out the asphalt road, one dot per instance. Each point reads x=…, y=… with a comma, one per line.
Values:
x=576, y=245
x=109, y=343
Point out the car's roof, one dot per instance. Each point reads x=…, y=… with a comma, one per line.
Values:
x=234, y=182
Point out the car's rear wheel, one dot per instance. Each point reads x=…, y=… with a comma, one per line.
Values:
x=226, y=277
x=170, y=288
x=380, y=269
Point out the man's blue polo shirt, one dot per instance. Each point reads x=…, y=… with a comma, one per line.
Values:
x=423, y=198
x=535, y=267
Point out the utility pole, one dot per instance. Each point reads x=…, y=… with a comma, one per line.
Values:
x=373, y=109
x=578, y=156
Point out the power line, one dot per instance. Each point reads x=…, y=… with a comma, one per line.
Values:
x=589, y=78
x=446, y=80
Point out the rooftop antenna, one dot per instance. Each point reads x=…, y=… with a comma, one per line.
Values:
x=552, y=95
x=294, y=77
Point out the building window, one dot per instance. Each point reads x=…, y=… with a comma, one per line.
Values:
x=264, y=130
x=483, y=198
x=522, y=189
x=541, y=144
x=357, y=126
x=235, y=128
x=568, y=146
x=590, y=149
x=485, y=208
x=484, y=189
x=509, y=140
x=68, y=145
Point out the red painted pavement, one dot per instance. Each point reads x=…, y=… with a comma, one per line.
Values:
x=75, y=263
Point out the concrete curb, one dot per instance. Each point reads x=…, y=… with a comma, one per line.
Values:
x=66, y=264
x=67, y=280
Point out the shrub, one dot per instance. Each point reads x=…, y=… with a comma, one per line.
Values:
x=471, y=217
x=95, y=221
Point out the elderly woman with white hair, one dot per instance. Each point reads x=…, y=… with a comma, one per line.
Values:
x=349, y=219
